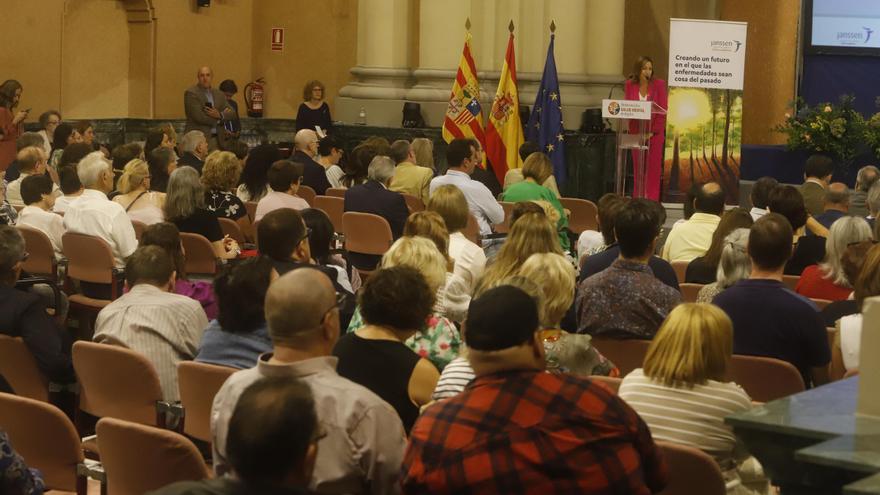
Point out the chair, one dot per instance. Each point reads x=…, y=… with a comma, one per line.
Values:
x=200, y=257
x=41, y=254
x=338, y=192
x=680, y=268
x=251, y=207
x=47, y=440
x=117, y=382
x=691, y=471
x=231, y=228
x=139, y=228
x=821, y=303
x=472, y=229
x=791, y=280
x=611, y=382
x=89, y=259
x=307, y=193
x=504, y=227
x=366, y=233
x=19, y=368
x=333, y=206
x=198, y=384
x=583, y=214
x=689, y=292
x=413, y=203
x=627, y=355
x=765, y=379
x=140, y=459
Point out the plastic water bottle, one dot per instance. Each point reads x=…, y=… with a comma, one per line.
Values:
x=362, y=117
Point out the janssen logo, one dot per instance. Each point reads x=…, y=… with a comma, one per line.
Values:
x=725, y=45
x=854, y=37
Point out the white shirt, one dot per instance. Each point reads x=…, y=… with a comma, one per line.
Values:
x=690, y=239
x=757, y=213
x=46, y=222
x=850, y=340
x=480, y=201
x=62, y=203
x=47, y=143
x=470, y=260
x=13, y=190
x=92, y=213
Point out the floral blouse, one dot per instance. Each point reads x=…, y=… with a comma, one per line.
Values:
x=224, y=204
x=438, y=340
x=15, y=477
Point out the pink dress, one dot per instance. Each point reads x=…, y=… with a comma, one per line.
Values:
x=657, y=94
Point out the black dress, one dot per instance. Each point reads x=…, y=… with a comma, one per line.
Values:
x=201, y=222
x=383, y=366
x=306, y=118
x=809, y=250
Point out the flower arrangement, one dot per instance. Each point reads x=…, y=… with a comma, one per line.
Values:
x=834, y=129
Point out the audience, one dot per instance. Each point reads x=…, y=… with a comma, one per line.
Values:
x=423, y=150
x=8, y=214
x=87, y=131
x=559, y=431
x=140, y=203
x=150, y=319
x=828, y=279
x=322, y=248
x=36, y=191
x=691, y=238
x=285, y=178
x=808, y=250
x=239, y=335
x=156, y=138
x=768, y=318
x=515, y=175
x=122, y=154
x=31, y=161
x=470, y=259
x=591, y=242
x=65, y=135
x=408, y=177
x=849, y=338
x=185, y=207
x=682, y=392
x=873, y=202
x=531, y=233
x=364, y=440
x=866, y=178
x=329, y=154
x=26, y=140
x=760, y=196
x=625, y=300
x=733, y=265
x=395, y=302
x=49, y=121
x=15, y=476
x=254, y=184
x=817, y=176
x=836, y=204
x=220, y=176
x=536, y=169
x=314, y=175
x=852, y=261
x=162, y=162
x=462, y=156
x=703, y=269
x=272, y=442
x=356, y=167
x=194, y=150
x=71, y=188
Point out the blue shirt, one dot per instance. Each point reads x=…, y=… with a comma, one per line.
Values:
x=236, y=350
x=481, y=203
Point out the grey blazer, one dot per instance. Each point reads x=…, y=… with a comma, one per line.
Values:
x=194, y=101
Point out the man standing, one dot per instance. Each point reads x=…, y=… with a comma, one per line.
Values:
x=232, y=125
x=691, y=238
x=408, y=177
x=206, y=108
x=817, y=175
x=314, y=174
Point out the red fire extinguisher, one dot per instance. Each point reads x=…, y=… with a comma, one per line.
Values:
x=254, y=97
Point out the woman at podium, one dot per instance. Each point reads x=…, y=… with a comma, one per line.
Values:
x=642, y=85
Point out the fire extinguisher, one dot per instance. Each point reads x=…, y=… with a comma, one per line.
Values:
x=254, y=97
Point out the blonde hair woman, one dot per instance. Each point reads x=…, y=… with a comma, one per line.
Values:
x=680, y=391
x=220, y=176
x=531, y=233
x=438, y=340
x=536, y=169
x=423, y=149
x=135, y=196
x=470, y=259
x=827, y=280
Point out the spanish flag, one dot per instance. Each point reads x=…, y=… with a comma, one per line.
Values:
x=504, y=133
x=464, y=115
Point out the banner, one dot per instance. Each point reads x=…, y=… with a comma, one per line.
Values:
x=545, y=122
x=464, y=115
x=704, y=122
x=504, y=132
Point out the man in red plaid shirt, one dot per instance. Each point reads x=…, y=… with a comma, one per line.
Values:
x=518, y=429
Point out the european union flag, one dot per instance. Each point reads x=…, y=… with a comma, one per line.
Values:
x=545, y=123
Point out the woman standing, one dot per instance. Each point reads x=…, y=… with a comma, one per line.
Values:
x=313, y=111
x=642, y=85
x=11, y=122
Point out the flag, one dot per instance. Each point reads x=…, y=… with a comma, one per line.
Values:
x=504, y=134
x=464, y=116
x=545, y=122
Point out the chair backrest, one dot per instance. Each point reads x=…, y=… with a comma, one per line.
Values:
x=334, y=207
x=41, y=253
x=307, y=193
x=504, y=227
x=198, y=384
x=413, y=203
x=89, y=258
x=366, y=233
x=116, y=382
x=251, y=208
x=627, y=355
x=231, y=228
x=19, y=368
x=44, y=437
x=791, y=281
x=338, y=192
x=689, y=292
x=680, y=268
x=820, y=303
x=691, y=471
x=610, y=381
x=583, y=214
x=200, y=257
x=472, y=229
x=765, y=379
x=139, y=228
x=140, y=459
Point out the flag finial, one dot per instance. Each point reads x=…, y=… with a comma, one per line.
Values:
x=552, y=26
x=510, y=26
x=467, y=24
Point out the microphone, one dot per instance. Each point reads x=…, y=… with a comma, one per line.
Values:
x=615, y=85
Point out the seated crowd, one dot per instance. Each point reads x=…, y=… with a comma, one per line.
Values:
x=467, y=357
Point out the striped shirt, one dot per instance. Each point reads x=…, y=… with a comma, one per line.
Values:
x=455, y=377
x=165, y=327
x=692, y=417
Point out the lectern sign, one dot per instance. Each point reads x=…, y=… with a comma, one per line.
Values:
x=626, y=109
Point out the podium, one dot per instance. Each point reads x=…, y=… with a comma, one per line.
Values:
x=633, y=138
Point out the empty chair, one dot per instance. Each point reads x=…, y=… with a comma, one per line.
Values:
x=765, y=379
x=139, y=459
x=307, y=193
x=689, y=292
x=337, y=192
x=611, y=382
x=334, y=207
x=366, y=233
x=504, y=227
x=413, y=203
x=791, y=280
x=251, y=207
x=691, y=471
x=139, y=228
x=41, y=254
x=583, y=214
x=627, y=355
x=231, y=228
x=19, y=368
x=117, y=382
x=198, y=384
x=680, y=267
x=46, y=439
x=472, y=229
x=200, y=257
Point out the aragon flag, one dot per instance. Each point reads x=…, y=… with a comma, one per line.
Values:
x=504, y=132
x=464, y=115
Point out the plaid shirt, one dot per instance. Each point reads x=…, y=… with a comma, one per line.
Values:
x=532, y=432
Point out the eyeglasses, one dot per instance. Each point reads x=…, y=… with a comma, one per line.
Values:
x=306, y=235
x=25, y=256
